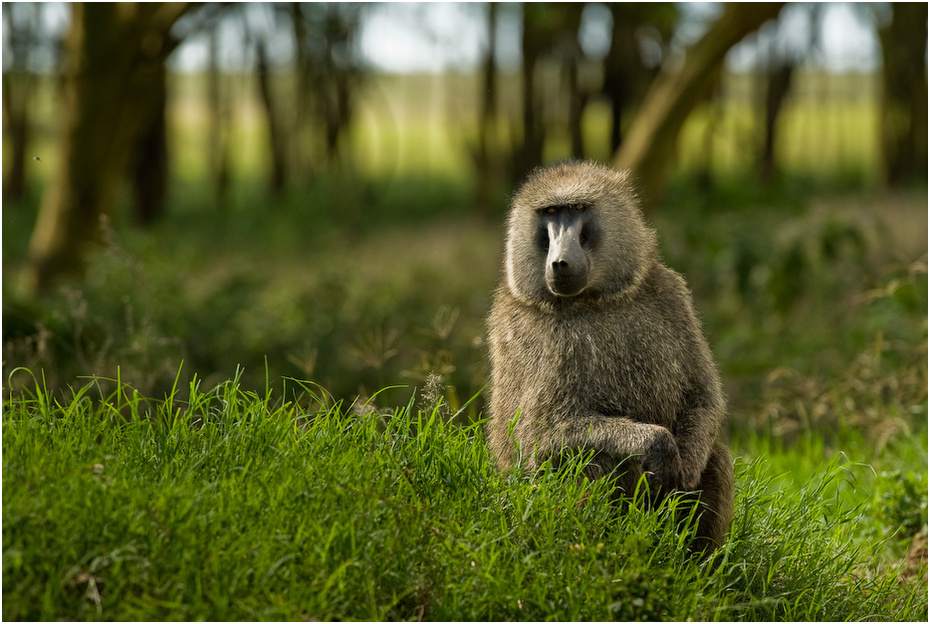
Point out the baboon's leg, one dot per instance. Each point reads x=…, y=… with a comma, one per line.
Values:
x=716, y=498
x=715, y=492
x=624, y=473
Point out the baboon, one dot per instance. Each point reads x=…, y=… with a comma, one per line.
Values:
x=595, y=346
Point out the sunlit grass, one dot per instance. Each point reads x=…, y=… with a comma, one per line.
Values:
x=225, y=504
x=424, y=125
x=828, y=141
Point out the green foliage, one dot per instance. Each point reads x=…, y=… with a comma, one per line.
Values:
x=302, y=293
x=779, y=278
x=901, y=501
x=359, y=308
x=226, y=505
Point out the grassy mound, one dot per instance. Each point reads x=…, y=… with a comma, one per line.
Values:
x=224, y=504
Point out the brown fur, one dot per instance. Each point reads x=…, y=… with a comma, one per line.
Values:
x=621, y=368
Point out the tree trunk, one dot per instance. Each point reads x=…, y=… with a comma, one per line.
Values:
x=339, y=117
x=529, y=154
x=16, y=124
x=487, y=119
x=150, y=170
x=904, y=106
x=627, y=75
x=778, y=83
x=114, y=55
x=650, y=143
x=569, y=48
x=301, y=149
x=621, y=56
x=577, y=100
x=218, y=155
x=18, y=87
x=275, y=137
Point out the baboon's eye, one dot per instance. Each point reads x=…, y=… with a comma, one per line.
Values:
x=579, y=207
x=551, y=210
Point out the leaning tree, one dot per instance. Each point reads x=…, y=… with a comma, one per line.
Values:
x=651, y=140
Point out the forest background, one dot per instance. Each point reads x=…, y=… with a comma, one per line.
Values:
x=283, y=208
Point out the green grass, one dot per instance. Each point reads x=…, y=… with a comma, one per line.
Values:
x=224, y=504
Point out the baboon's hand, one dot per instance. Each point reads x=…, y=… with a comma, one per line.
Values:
x=662, y=462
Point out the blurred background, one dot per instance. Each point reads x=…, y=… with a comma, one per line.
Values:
x=317, y=191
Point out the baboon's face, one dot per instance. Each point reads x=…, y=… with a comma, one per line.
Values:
x=575, y=230
x=566, y=234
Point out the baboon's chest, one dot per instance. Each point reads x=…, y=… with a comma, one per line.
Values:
x=625, y=365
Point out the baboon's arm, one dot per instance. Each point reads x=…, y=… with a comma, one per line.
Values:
x=622, y=438
x=695, y=433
